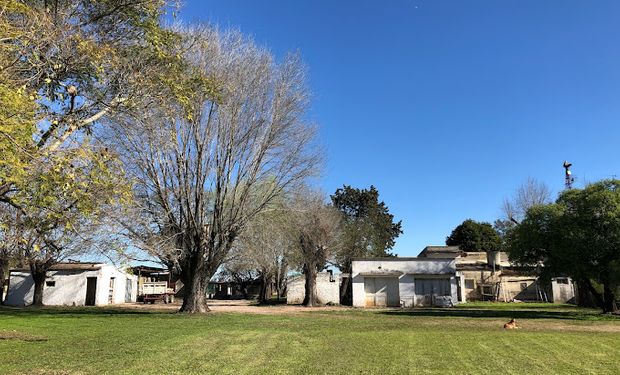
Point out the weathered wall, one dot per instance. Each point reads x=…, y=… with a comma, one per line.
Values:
x=511, y=287
x=406, y=270
x=472, y=281
x=327, y=291
x=562, y=292
x=70, y=287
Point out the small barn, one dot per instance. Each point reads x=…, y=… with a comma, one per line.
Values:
x=74, y=284
x=404, y=282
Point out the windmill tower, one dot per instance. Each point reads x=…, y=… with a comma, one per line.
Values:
x=568, y=175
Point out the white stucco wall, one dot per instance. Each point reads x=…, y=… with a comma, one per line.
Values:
x=327, y=291
x=406, y=270
x=70, y=287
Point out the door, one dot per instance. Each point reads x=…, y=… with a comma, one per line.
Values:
x=91, y=291
x=381, y=291
x=128, y=290
x=426, y=290
x=369, y=291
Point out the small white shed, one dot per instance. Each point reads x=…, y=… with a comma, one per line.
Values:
x=403, y=282
x=327, y=288
x=76, y=284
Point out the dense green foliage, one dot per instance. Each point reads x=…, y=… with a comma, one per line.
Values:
x=369, y=229
x=474, y=236
x=579, y=236
x=554, y=339
x=68, y=68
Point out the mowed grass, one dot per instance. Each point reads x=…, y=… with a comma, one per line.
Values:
x=466, y=340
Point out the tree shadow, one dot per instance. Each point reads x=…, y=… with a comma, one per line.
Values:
x=77, y=311
x=471, y=312
x=272, y=302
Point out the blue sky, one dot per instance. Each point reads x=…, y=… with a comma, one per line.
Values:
x=447, y=106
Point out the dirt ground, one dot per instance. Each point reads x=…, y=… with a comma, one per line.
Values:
x=250, y=307
x=240, y=306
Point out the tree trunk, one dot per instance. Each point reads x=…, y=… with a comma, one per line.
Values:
x=610, y=299
x=598, y=297
x=264, y=294
x=585, y=298
x=4, y=273
x=195, y=278
x=310, y=298
x=38, y=276
x=346, y=289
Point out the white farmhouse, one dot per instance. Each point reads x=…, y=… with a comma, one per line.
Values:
x=74, y=284
x=404, y=282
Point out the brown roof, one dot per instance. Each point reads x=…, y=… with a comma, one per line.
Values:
x=440, y=251
x=68, y=266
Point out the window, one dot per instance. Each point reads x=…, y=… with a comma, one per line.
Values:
x=470, y=284
x=562, y=280
x=523, y=286
x=50, y=283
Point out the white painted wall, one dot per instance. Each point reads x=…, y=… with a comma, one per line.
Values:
x=406, y=269
x=327, y=291
x=70, y=287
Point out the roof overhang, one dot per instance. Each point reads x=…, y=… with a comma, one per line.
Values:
x=381, y=274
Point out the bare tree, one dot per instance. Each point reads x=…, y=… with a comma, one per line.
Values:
x=204, y=168
x=316, y=229
x=261, y=250
x=531, y=193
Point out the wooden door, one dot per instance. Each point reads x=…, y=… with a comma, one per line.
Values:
x=91, y=291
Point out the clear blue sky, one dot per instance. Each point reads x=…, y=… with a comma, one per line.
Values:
x=447, y=106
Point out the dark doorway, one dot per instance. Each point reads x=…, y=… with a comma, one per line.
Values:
x=91, y=291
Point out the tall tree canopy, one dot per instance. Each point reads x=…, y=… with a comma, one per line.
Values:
x=66, y=68
x=205, y=167
x=578, y=236
x=471, y=235
x=368, y=229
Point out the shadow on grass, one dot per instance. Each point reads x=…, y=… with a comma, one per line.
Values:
x=471, y=312
x=78, y=311
x=273, y=302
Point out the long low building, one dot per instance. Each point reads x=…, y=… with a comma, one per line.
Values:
x=74, y=284
x=404, y=282
x=490, y=276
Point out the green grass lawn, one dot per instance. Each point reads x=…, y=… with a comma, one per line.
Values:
x=465, y=340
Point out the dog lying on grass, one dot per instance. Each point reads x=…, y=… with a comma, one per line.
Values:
x=512, y=324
